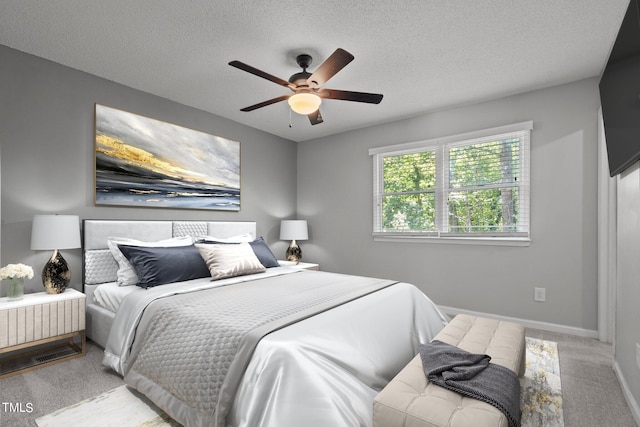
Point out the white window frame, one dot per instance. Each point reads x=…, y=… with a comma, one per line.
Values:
x=522, y=237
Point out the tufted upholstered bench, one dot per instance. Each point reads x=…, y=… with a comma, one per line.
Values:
x=410, y=400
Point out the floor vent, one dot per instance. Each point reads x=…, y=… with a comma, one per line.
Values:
x=42, y=358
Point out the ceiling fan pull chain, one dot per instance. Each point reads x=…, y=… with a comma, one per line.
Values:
x=290, y=125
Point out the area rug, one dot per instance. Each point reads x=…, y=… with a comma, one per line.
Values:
x=541, y=399
x=541, y=392
x=120, y=407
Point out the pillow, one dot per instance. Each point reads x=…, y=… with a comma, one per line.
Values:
x=241, y=238
x=126, y=273
x=259, y=246
x=161, y=265
x=264, y=254
x=224, y=260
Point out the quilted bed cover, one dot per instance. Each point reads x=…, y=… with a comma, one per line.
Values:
x=311, y=348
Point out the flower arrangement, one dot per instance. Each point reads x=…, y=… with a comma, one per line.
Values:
x=16, y=271
x=15, y=274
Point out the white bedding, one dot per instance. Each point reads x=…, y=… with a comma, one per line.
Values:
x=323, y=371
x=110, y=295
x=326, y=370
x=123, y=330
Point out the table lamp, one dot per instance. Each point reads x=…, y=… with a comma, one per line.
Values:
x=294, y=229
x=55, y=232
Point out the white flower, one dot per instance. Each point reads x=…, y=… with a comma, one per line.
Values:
x=14, y=271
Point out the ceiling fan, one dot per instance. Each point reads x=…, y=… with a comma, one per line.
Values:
x=306, y=87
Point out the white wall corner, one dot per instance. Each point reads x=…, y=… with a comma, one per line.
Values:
x=606, y=241
x=631, y=401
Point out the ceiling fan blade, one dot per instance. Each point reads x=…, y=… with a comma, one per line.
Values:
x=336, y=62
x=315, y=117
x=249, y=69
x=265, y=103
x=345, y=95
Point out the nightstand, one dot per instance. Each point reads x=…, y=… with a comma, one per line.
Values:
x=300, y=265
x=53, y=323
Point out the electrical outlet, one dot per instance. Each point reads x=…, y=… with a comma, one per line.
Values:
x=539, y=294
x=638, y=355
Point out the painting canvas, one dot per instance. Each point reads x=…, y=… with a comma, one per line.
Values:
x=146, y=162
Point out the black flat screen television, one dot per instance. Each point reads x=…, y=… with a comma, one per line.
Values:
x=620, y=95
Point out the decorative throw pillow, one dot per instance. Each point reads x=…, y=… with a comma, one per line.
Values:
x=259, y=246
x=126, y=273
x=224, y=260
x=263, y=252
x=161, y=265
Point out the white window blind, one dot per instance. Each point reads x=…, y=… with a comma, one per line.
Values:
x=472, y=185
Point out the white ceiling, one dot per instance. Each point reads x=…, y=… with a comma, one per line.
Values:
x=423, y=55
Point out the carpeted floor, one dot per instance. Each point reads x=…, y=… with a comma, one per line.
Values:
x=591, y=394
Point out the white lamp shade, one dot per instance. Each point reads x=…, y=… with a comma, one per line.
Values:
x=51, y=232
x=294, y=229
x=304, y=103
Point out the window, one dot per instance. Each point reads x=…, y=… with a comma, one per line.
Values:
x=472, y=186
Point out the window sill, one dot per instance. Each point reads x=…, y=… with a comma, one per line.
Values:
x=456, y=240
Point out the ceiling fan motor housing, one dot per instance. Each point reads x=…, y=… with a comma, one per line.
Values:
x=300, y=79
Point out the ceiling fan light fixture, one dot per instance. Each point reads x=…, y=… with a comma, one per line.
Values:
x=304, y=103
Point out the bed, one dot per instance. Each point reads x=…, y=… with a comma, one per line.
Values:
x=281, y=346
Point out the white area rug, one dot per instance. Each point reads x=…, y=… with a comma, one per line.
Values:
x=541, y=399
x=120, y=407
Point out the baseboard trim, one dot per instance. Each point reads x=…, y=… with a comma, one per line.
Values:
x=633, y=405
x=534, y=324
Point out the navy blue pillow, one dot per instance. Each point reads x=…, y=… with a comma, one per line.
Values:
x=162, y=265
x=264, y=254
x=260, y=248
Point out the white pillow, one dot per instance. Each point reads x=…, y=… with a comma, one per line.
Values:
x=127, y=275
x=241, y=238
x=229, y=260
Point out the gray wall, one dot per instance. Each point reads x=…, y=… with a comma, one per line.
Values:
x=46, y=134
x=335, y=195
x=628, y=280
x=47, y=143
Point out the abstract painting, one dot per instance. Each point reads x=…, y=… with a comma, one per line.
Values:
x=146, y=162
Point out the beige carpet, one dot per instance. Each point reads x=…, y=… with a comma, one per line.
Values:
x=541, y=399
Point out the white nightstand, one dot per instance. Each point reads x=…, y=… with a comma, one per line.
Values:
x=51, y=322
x=300, y=265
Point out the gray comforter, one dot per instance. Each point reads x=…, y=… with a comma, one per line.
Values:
x=191, y=350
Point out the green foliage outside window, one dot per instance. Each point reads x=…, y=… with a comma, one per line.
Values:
x=408, y=203
x=480, y=188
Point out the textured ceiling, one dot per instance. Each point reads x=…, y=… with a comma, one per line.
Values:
x=423, y=55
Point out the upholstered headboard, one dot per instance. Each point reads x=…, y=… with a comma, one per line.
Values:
x=99, y=266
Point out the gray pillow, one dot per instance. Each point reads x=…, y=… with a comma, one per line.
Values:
x=161, y=265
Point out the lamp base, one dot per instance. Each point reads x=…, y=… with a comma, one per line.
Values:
x=56, y=274
x=294, y=253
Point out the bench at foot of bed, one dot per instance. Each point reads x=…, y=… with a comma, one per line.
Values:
x=410, y=400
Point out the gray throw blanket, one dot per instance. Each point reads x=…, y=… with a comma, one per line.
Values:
x=473, y=376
